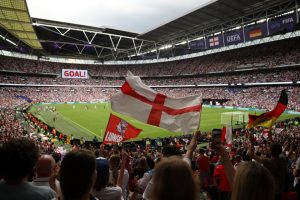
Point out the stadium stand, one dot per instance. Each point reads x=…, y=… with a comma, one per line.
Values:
x=256, y=97
x=268, y=55
x=248, y=77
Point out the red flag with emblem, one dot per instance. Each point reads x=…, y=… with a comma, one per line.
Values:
x=118, y=130
x=145, y=104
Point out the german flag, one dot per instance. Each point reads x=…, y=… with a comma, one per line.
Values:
x=255, y=33
x=267, y=119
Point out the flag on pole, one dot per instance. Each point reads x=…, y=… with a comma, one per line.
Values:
x=145, y=104
x=267, y=119
x=226, y=135
x=118, y=130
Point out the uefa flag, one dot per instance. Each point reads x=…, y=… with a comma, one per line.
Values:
x=118, y=130
x=267, y=119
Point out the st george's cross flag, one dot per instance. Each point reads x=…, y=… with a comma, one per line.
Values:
x=118, y=130
x=145, y=104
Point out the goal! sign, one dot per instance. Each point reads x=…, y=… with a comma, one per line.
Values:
x=74, y=73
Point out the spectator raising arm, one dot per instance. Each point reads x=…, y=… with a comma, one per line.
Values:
x=121, y=174
x=225, y=160
x=192, y=146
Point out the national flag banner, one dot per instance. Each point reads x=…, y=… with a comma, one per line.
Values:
x=255, y=33
x=214, y=41
x=226, y=135
x=118, y=130
x=145, y=104
x=267, y=119
x=223, y=134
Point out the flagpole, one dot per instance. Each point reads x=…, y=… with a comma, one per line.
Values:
x=106, y=128
x=243, y=120
x=198, y=129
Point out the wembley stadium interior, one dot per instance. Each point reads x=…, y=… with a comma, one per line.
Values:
x=235, y=54
x=225, y=51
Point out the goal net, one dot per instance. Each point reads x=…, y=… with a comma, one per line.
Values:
x=234, y=117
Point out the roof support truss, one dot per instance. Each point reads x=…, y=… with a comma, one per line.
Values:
x=111, y=44
x=89, y=39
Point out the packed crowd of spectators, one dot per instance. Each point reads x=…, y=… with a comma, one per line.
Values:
x=249, y=97
x=269, y=55
x=243, y=77
x=155, y=170
x=136, y=173
x=12, y=125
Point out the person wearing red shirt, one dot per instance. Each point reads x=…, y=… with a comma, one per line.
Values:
x=203, y=163
x=223, y=186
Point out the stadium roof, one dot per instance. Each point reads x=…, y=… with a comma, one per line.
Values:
x=73, y=40
x=14, y=17
x=216, y=13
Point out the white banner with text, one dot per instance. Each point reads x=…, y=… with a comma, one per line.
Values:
x=74, y=73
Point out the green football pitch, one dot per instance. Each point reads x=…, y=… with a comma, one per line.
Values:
x=89, y=120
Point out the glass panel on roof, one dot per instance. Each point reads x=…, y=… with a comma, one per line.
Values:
x=27, y=27
x=17, y=20
x=21, y=35
x=19, y=4
x=5, y=3
x=5, y=24
x=16, y=26
x=9, y=14
x=23, y=16
x=31, y=36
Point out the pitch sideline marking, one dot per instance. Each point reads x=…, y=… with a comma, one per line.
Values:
x=68, y=119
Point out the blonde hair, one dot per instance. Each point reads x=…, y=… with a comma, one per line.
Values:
x=174, y=179
x=253, y=181
x=114, y=165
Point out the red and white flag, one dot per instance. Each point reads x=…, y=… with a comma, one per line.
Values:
x=144, y=104
x=118, y=130
x=226, y=135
